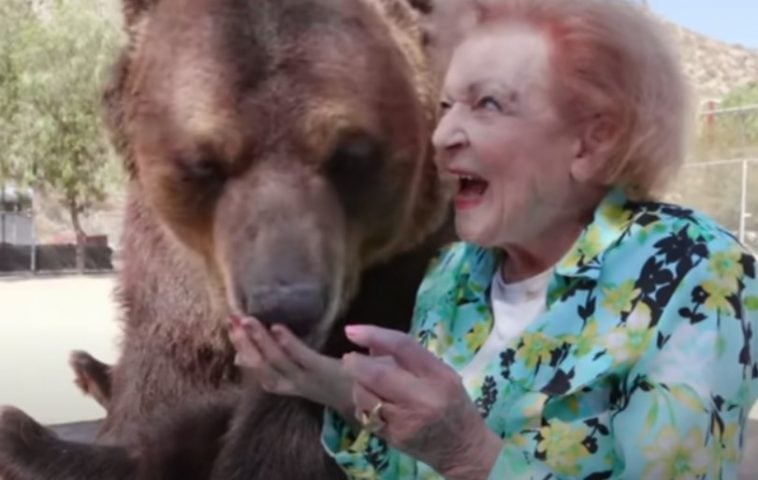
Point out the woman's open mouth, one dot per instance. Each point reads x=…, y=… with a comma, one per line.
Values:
x=471, y=190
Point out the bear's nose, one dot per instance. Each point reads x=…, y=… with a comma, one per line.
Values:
x=300, y=307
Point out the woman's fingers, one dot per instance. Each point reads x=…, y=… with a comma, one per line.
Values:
x=247, y=355
x=408, y=353
x=258, y=352
x=300, y=353
x=382, y=377
x=285, y=364
x=269, y=348
x=364, y=401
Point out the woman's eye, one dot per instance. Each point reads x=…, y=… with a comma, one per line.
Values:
x=445, y=106
x=489, y=103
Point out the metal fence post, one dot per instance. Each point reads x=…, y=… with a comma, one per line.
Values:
x=743, y=201
x=2, y=213
x=742, y=115
x=32, y=210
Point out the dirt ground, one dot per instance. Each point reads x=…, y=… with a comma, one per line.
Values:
x=41, y=321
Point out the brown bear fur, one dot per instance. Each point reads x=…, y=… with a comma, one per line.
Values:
x=280, y=166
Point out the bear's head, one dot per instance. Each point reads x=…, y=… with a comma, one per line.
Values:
x=284, y=142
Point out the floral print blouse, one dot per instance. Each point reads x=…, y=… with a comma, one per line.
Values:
x=642, y=366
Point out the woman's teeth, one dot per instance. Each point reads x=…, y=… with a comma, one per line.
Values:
x=469, y=185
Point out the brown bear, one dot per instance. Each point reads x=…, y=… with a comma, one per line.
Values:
x=280, y=166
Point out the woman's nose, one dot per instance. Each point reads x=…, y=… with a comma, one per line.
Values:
x=449, y=134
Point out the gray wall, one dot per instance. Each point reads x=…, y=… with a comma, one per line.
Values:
x=16, y=228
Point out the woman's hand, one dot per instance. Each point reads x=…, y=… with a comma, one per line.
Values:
x=284, y=365
x=425, y=408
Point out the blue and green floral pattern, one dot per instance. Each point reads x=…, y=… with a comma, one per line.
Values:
x=642, y=366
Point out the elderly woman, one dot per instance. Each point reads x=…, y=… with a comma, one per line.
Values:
x=580, y=329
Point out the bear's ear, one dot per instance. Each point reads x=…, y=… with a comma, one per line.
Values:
x=445, y=23
x=112, y=101
x=423, y=6
x=135, y=14
x=134, y=10
x=113, y=111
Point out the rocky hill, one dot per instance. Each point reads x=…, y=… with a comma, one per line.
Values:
x=714, y=67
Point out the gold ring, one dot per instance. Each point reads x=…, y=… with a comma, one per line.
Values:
x=372, y=422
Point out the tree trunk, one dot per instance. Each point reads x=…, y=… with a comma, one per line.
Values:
x=81, y=237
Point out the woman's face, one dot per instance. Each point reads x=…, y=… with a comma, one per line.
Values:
x=502, y=137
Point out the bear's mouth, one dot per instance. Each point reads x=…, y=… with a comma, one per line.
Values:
x=298, y=306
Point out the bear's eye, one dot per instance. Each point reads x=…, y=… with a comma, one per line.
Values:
x=354, y=168
x=356, y=157
x=203, y=170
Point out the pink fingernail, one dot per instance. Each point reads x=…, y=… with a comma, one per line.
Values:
x=352, y=331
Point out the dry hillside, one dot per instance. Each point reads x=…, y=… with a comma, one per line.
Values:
x=715, y=68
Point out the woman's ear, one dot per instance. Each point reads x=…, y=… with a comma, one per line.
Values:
x=594, y=148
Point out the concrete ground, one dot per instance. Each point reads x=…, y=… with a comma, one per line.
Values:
x=43, y=319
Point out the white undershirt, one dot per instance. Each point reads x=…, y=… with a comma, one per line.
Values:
x=514, y=307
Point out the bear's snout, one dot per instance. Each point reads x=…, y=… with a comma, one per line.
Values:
x=299, y=306
x=281, y=247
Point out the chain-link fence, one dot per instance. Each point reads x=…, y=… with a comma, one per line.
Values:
x=721, y=175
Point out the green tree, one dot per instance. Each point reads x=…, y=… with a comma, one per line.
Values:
x=731, y=132
x=746, y=95
x=745, y=122
x=14, y=14
x=61, y=57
